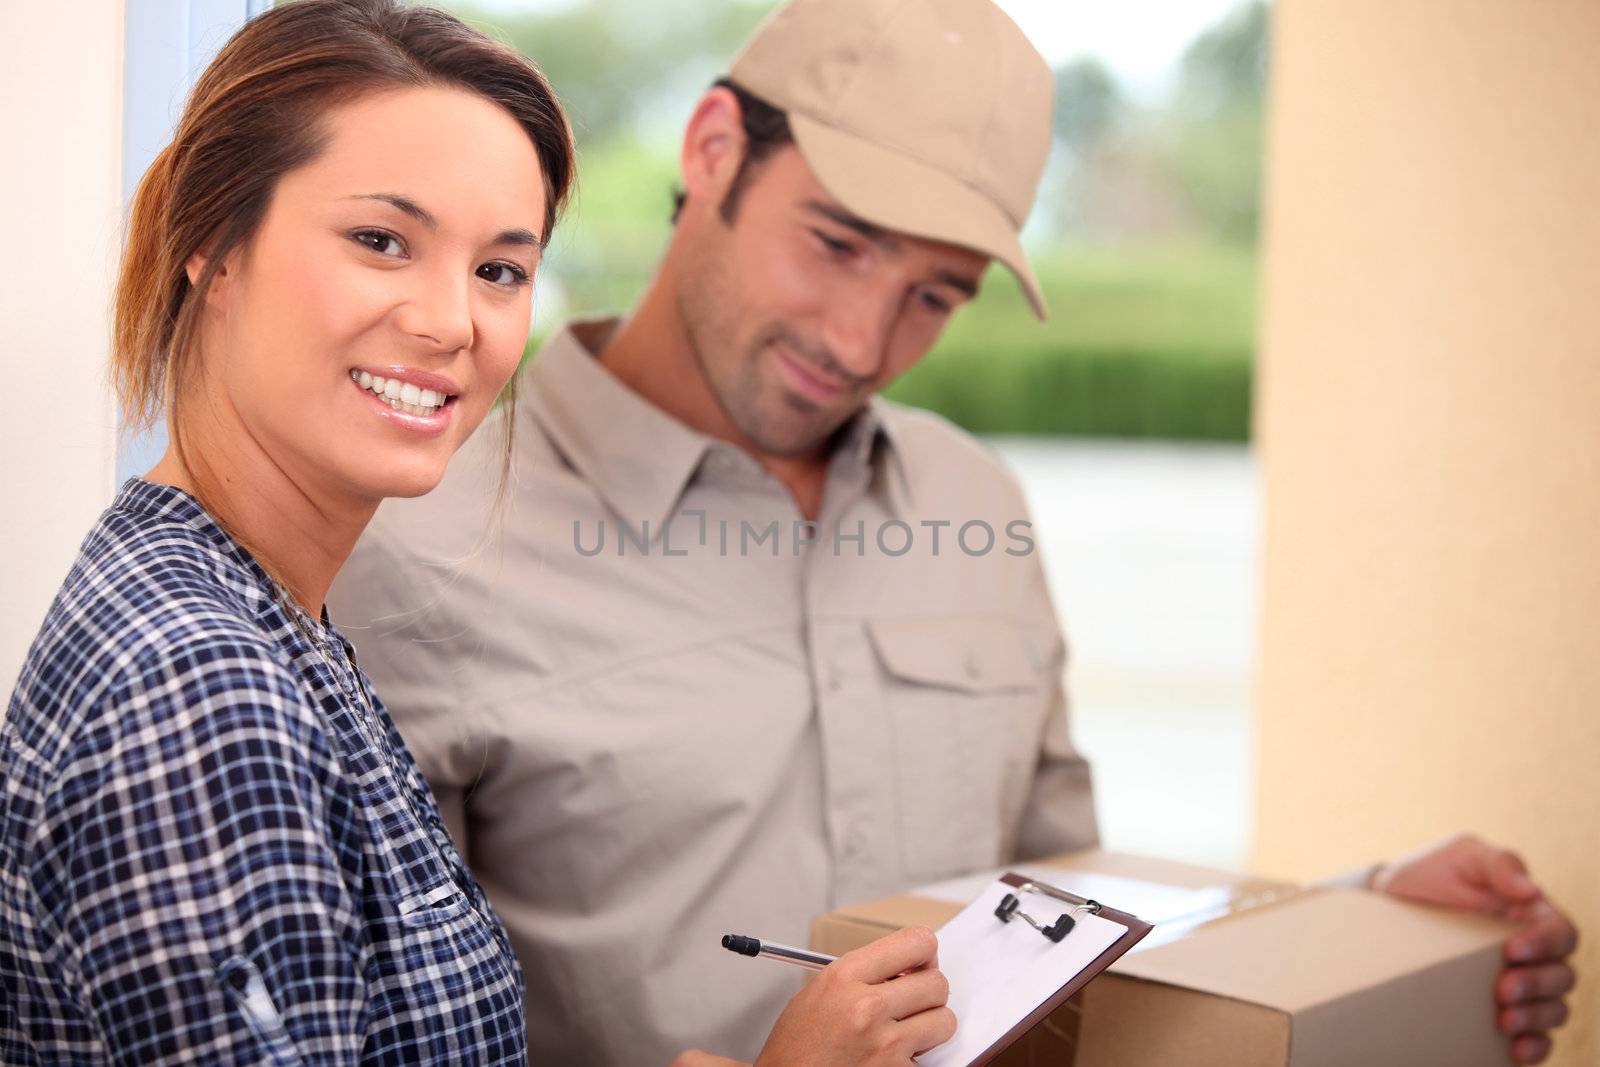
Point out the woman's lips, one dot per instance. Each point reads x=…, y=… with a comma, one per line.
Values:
x=420, y=378
x=427, y=425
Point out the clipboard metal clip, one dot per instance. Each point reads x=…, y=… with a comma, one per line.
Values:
x=1011, y=904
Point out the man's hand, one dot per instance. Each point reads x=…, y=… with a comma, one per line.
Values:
x=853, y=1015
x=1464, y=872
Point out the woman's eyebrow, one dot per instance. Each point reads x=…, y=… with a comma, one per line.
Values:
x=518, y=236
x=402, y=203
x=514, y=236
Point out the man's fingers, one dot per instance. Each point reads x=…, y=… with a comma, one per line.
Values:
x=1535, y=1017
x=910, y=949
x=1545, y=982
x=1456, y=893
x=1550, y=936
x=1507, y=875
x=1530, y=1048
x=914, y=992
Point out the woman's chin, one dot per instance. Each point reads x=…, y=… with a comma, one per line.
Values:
x=414, y=487
x=402, y=481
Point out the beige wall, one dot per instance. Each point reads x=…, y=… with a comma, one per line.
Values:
x=1429, y=431
x=60, y=194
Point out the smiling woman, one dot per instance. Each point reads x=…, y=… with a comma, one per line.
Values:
x=404, y=250
x=215, y=846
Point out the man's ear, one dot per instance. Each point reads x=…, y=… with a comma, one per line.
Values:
x=713, y=147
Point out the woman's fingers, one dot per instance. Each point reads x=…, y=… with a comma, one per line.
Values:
x=696, y=1058
x=930, y=1029
x=916, y=992
x=910, y=949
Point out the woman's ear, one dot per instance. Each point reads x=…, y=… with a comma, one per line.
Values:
x=195, y=267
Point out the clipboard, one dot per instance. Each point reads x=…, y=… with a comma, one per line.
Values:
x=1017, y=953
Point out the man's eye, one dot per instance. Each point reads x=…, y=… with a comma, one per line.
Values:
x=934, y=303
x=833, y=244
x=385, y=244
x=506, y=274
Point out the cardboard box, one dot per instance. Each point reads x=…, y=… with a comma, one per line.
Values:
x=1282, y=977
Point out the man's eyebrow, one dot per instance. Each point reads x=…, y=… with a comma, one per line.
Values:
x=958, y=282
x=876, y=234
x=887, y=241
x=515, y=236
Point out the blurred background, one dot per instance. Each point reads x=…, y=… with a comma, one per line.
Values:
x=1127, y=415
x=1144, y=234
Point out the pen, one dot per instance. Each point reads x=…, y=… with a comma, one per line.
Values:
x=750, y=946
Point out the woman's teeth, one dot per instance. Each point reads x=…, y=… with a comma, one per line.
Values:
x=402, y=396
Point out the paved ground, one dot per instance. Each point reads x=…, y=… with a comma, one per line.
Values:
x=1151, y=554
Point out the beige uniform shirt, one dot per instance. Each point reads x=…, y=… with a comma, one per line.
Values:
x=654, y=715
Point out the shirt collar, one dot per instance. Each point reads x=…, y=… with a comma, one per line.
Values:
x=641, y=459
x=636, y=456
x=871, y=440
x=168, y=502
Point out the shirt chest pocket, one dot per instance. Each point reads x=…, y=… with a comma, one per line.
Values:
x=415, y=869
x=432, y=931
x=965, y=701
x=413, y=863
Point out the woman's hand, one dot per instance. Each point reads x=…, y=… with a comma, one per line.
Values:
x=705, y=1059
x=852, y=1015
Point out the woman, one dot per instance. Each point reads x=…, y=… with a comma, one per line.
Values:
x=213, y=845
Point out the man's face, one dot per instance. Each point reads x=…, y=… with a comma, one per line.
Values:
x=798, y=311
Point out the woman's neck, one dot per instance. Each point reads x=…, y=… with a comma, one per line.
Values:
x=300, y=533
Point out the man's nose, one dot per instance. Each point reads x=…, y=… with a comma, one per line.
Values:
x=857, y=329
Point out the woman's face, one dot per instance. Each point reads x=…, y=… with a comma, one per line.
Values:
x=384, y=301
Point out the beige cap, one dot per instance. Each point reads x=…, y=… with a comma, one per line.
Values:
x=929, y=117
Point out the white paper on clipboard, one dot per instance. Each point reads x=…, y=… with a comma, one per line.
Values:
x=999, y=972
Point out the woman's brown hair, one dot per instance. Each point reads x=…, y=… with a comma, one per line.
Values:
x=253, y=117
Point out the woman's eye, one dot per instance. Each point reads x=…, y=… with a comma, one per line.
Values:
x=504, y=274
x=385, y=244
x=934, y=303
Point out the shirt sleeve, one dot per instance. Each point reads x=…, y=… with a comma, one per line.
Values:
x=195, y=868
x=1059, y=814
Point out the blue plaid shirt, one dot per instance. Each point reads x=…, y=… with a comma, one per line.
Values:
x=214, y=847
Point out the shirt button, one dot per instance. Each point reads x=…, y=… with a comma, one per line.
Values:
x=972, y=666
x=855, y=841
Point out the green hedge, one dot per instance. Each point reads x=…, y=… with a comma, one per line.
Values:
x=1152, y=341
x=1090, y=391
